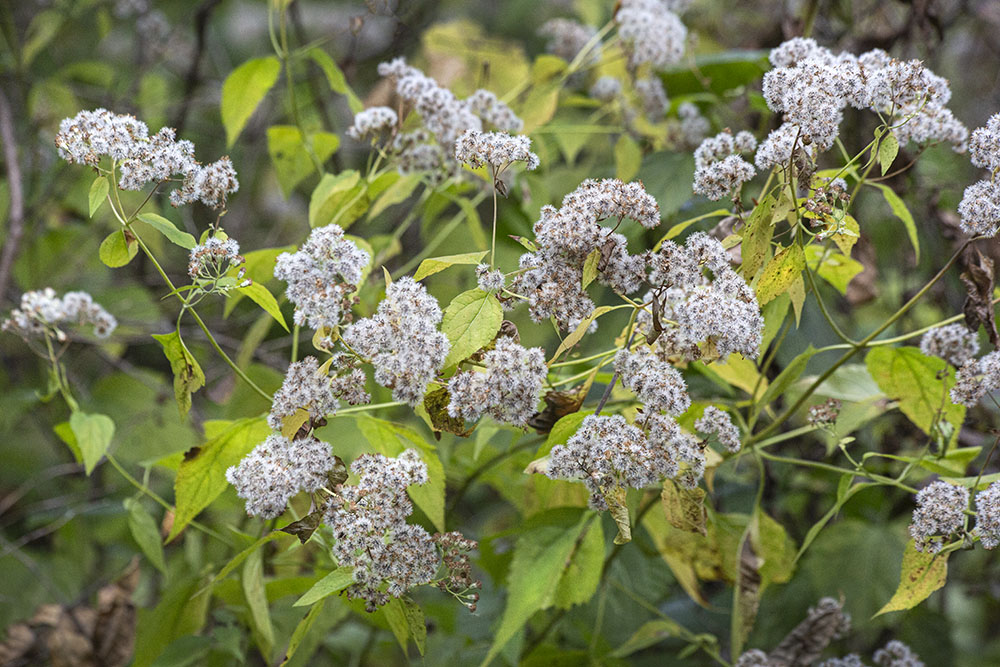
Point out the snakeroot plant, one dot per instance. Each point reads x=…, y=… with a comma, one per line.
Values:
x=629, y=352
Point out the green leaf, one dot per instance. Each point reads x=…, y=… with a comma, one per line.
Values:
x=396, y=193
x=835, y=268
x=290, y=156
x=888, y=148
x=178, y=613
x=387, y=438
x=911, y=378
x=332, y=191
x=470, y=321
x=146, y=533
x=628, y=158
x=98, y=192
x=201, y=476
x=581, y=330
x=168, y=229
x=256, y=597
x=406, y=620
x=757, y=237
x=263, y=298
x=93, y=435
x=899, y=209
x=583, y=574
x=188, y=376
x=780, y=273
x=590, y=267
x=239, y=558
x=335, y=78
x=433, y=265
x=301, y=630
x=118, y=248
x=921, y=574
x=846, y=239
x=334, y=582
x=562, y=431
x=541, y=556
x=649, y=634
x=788, y=375
x=244, y=89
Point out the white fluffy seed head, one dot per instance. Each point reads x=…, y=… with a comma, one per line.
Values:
x=509, y=389
x=954, y=343
x=939, y=513
x=497, y=149
x=41, y=312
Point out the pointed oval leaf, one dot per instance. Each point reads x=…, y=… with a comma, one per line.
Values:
x=98, y=192
x=471, y=320
x=118, y=248
x=93, y=435
x=243, y=91
x=168, y=229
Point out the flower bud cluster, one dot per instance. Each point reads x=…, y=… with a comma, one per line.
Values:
x=980, y=205
x=509, y=389
x=143, y=159
x=706, y=309
x=445, y=117
x=42, y=312
x=975, y=379
x=939, y=513
x=497, y=149
x=371, y=122
x=213, y=258
x=954, y=343
x=389, y=556
x=321, y=277
x=719, y=171
x=307, y=387
x=812, y=86
x=651, y=33
x=402, y=341
x=276, y=470
x=552, y=277
x=721, y=424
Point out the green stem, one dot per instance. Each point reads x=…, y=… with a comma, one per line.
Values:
x=372, y=406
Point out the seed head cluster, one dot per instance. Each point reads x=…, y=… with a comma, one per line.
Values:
x=214, y=258
x=980, y=206
x=489, y=280
x=656, y=383
x=567, y=38
x=430, y=148
x=719, y=170
x=975, y=379
x=308, y=388
x=497, y=149
x=509, y=389
x=389, y=556
x=651, y=32
x=42, y=312
x=988, y=516
x=939, y=513
x=897, y=654
x=652, y=96
x=143, y=159
x=721, y=424
x=402, y=341
x=606, y=88
x=954, y=343
x=707, y=309
x=552, y=275
x=321, y=277
x=371, y=122
x=276, y=470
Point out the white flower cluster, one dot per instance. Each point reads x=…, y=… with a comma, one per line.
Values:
x=276, y=470
x=719, y=171
x=567, y=38
x=566, y=236
x=656, y=383
x=321, y=276
x=306, y=387
x=41, y=312
x=781, y=144
x=975, y=379
x=142, y=159
x=701, y=315
x=606, y=89
x=653, y=96
x=954, y=343
x=445, y=117
x=389, y=555
x=371, y=121
x=897, y=654
x=939, y=513
x=717, y=421
x=812, y=86
x=988, y=516
x=980, y=205
x=489, y=280
x=402, y=341
x=508, y=390
x=214, y=257
x=693, y=125
x=497, y=149
x=651, y=33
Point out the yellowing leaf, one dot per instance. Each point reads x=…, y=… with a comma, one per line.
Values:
x=433, y=265
x=888, y=148
x=757, y=237
x=244, y=89
x=921, y=574
x=780, y=273
x=590, y=267
x=188, y=376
